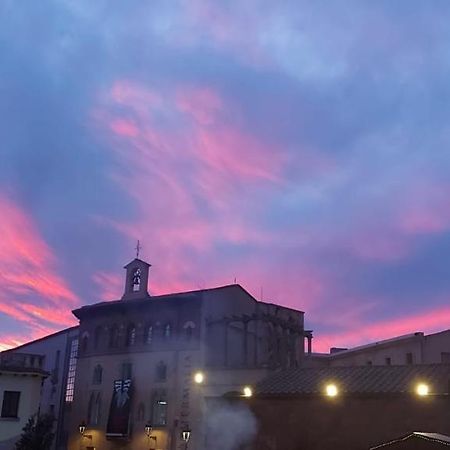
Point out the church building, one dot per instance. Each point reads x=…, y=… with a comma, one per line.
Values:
x=146, y=363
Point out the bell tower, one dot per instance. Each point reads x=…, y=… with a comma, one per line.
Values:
x=136, y=280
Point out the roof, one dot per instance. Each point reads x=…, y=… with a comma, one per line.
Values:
x=432, y=437
x=383, y=343
x=177, y=295
x=356, y=380
x=66, y=330
x=137, y=260
x=23, y=370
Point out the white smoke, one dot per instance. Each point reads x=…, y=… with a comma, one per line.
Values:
x=229, y=427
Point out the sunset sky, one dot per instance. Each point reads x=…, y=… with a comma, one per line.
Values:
x=301, y=147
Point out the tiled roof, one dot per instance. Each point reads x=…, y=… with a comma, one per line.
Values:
x=355, y=380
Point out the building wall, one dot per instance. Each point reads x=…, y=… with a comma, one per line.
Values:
x=430, y=349
x=55, y=349
x=29, y=387
x=352, y=422
x=222, y=319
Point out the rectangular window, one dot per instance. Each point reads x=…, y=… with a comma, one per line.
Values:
x=126, y=371
x=72, y=369
x=409, y=358
x=388, y=361
x=445, y=357
x=159, y=410
x=10, y=405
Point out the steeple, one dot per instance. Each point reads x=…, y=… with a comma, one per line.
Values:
x=136, y=279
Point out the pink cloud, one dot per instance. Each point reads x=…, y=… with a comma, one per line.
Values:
x=431, y=321
x=27, y=270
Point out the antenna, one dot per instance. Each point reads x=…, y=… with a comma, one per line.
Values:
x=262, y=293
x=234, y=280
x=138, y=248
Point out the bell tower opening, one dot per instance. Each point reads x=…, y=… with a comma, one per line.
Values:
x=136, y=279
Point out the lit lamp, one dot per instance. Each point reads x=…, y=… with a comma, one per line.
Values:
x=148, y=429
x=247, y=391
x=331, y=390
x=82, y=429
x=422, y=389
x=186, y=435
x=199, y=377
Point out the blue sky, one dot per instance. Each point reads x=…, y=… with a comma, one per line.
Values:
x=299, y=147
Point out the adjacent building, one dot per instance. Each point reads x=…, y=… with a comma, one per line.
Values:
x=57, y=355
x=146, y=363
x=354, y=408
x=21, y=379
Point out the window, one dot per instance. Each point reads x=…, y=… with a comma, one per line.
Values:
x=84, y=343
x=445, y=357
x=159, y=410
x=141, y=412
x=114, y=336
x=72, y=369
x=10, y=406
x=409, y=358
x=167, y=330
x=98, y=374
x=94, y=407
x=161, y=372
x=369, y=362
x=126, y=371
x=388, y=361
x=97, y=337
x=149, y=335
x=131, y=335
x=189, y=330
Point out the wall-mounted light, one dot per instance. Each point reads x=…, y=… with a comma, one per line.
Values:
x=199, y=377
x=82, y=427
x=186, y=434
x=422, y=389
x=331, y=390
x=247, y=391
x=82, y=430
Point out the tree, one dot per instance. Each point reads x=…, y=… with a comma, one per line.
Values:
x=37, y=433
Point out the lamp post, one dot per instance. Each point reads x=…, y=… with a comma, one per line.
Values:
x=186, y=435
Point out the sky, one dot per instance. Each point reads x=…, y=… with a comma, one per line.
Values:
x=300, y=148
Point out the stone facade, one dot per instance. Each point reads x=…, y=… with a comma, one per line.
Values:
x=158, y=343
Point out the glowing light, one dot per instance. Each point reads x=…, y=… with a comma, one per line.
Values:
x=199, y=378
x=331, y=390
x=422, y=389
x=247, y=391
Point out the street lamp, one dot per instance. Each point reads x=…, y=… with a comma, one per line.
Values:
x=186, y=435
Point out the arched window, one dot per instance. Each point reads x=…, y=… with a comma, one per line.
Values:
x=84, y=343
x=159, y=408
x=141, y=412
x=149, y=335
x=98, y=374
x=131, y=335
x=114, y=336
x=188, y=328
x=94, y=408
x=167, y=330
x=98, y=336
x=161, y=371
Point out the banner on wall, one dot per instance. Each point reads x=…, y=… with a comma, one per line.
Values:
x=119, y=411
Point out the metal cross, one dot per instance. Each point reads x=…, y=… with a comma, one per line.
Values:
x=138, y=248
